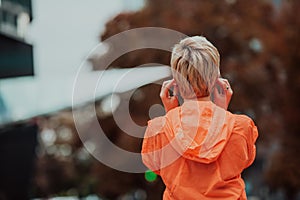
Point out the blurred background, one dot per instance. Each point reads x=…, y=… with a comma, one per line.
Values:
x=43, y=43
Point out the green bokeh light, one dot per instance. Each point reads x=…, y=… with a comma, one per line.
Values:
x=150, y=176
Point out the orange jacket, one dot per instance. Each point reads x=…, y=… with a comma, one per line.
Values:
x=200, y=150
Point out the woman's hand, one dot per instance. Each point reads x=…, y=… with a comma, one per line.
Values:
x=169, y=101
x=223, y=98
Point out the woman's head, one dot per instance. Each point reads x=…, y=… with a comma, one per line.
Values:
x=195, y=66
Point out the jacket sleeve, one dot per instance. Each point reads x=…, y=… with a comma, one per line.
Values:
x=152, y=144
x=252, y=134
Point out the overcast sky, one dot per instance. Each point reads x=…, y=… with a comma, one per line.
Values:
x=64, y=31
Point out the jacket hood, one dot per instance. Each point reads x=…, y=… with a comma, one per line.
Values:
x=199, y=130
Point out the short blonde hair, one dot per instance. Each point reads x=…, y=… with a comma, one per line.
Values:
x=195, y=66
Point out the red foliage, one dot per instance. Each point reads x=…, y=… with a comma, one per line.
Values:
x=259, y=47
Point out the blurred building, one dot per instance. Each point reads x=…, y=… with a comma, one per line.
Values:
x=16, y=56
x=17, y=140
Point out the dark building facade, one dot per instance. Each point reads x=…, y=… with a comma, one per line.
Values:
x=16, y=56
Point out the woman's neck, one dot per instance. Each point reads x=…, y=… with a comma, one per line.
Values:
x=207, y=98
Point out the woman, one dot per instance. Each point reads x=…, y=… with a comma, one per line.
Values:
x=199, y=148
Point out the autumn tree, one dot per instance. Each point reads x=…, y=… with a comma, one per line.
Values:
x=259, y=47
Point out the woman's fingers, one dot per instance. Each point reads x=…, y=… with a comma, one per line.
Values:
x=169, y=102
x=166, y=86
x=225, y=85
x=221, y=82
x=223, y=97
